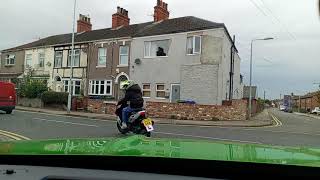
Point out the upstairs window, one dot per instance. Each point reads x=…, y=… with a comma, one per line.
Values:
x=29, y=60
x=124, y=56
x=193, y=45
x=58, y=55
x=102, y=57
x=76, y=60
x=156, y=48
x=41, y=60
x=10, y=59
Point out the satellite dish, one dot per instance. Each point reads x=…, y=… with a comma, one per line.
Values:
x=137, y=61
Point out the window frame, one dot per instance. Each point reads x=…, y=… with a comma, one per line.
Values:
x=73, y=84
x=128, y=52
x=157, y=90
x=106, y=55
x=69, y=57
x=8, y=59
x=150, y=49
x=194, y=45
x=148, y=90
x=28, y=58
x=39, y=59
x=92, y=82
x=55, y=59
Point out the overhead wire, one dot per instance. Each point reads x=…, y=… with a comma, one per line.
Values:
x=275, y=20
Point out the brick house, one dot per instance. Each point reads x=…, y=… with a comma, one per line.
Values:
x=307, y=102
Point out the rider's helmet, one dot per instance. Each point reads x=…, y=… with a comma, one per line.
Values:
x=126, y=84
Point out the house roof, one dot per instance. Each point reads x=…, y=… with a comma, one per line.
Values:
x=170, y=26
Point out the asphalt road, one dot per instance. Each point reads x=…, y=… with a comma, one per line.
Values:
x=291, y=130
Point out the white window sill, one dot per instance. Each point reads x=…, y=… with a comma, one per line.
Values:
x=194, y=54
x=156, y=57
x=160, y=98
x=146, y=97
x=101, y=66
x=100, y=94
x=125, y=65
x=8, y=65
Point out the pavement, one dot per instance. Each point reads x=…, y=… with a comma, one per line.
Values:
x=262, y=119
x=308, y=115
x=288, y=129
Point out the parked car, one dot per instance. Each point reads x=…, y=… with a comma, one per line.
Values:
x=7, y=97
x=282, y=108
x=316, y=111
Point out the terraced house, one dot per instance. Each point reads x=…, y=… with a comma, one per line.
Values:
x=172, y=59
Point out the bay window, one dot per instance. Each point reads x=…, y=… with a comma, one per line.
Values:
x=75, y=86
x=100, y=87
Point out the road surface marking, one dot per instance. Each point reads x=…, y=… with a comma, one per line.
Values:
x=61, y=115
x=13, y=135
x=206, y=137
x=278, y=122
x=66, y=122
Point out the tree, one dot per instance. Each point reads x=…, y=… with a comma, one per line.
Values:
x=31, y=88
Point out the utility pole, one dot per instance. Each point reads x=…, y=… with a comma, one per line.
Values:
x=264, y=96
x=72, y=59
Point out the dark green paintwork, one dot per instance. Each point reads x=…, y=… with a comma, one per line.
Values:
x=167, y=148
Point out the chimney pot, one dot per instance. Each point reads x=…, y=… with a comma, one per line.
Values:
x=83, y=24
x=161, y=11
x=120, y=18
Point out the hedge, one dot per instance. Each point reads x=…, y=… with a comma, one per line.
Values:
x=51, y=97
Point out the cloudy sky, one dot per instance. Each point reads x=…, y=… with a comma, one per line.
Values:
x=290, y=63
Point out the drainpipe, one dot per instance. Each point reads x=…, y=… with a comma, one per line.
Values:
x=231, y=73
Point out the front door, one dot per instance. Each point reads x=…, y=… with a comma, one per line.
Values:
x=121, y=91
x=175, y=92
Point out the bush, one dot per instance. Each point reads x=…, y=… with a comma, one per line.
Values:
x=32, y=89
x=51, y=97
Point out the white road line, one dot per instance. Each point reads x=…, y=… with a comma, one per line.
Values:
x=206, y=137
x=66, y=122
x=61, y=115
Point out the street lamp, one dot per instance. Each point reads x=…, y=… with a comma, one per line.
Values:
x=72, y=57
x=250, y=86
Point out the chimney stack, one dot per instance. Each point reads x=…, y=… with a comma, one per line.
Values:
x=121, y=18
x=83, y=24
x=161, y=11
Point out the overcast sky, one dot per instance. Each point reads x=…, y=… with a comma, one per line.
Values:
x=290, y=63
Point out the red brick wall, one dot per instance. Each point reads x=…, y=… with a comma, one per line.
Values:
x=236, y=111
x=98, y=106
